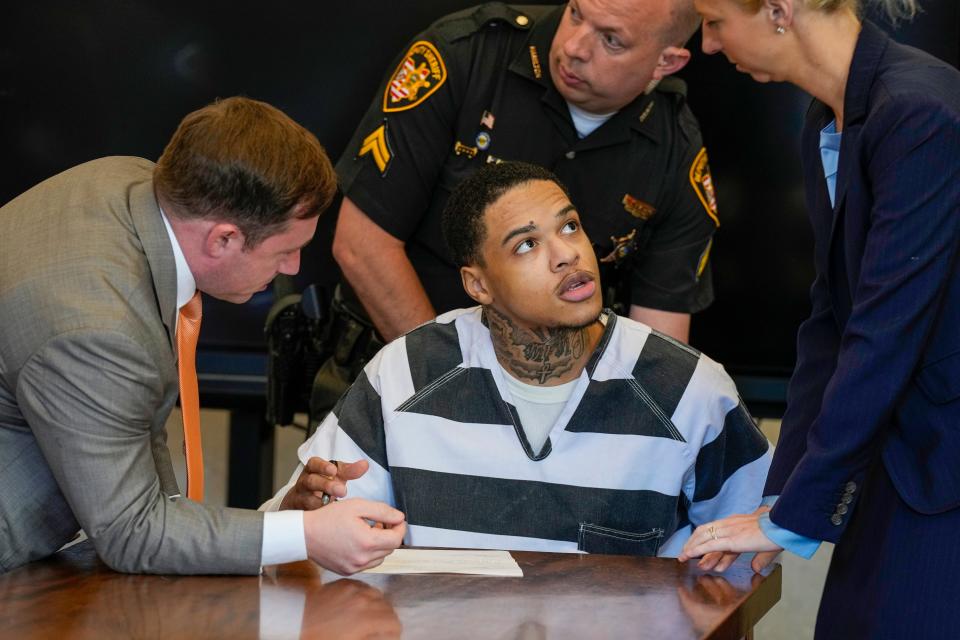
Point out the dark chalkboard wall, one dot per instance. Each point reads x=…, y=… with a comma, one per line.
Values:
x=762, y=262
x=80, y=80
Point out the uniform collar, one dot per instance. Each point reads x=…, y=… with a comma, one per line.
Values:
x=608, y=328
x=536, y=54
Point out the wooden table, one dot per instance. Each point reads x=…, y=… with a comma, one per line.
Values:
x=74, y=595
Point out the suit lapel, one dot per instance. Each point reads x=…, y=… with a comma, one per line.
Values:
x=818, y=198
x=156, y=245
x=871, y=45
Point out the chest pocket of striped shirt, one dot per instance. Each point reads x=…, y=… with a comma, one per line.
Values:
x=593, y=538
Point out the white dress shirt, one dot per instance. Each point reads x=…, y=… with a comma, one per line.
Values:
x=284, y=539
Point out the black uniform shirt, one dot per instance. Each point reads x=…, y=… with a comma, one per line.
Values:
x=475, y=88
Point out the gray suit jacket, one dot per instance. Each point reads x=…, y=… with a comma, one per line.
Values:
x=88, y=377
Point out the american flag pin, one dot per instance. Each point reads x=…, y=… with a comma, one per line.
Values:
x=487, y=120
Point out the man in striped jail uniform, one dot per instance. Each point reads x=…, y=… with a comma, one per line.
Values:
x=537, y=420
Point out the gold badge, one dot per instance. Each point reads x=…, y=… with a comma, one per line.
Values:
x=376, y=146
x=420, y=74
x=703, y=184
x=622, y=247
x=637, y=208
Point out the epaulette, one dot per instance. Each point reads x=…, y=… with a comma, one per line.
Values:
x=673, y=84
x=675, y=90
x=469, y=21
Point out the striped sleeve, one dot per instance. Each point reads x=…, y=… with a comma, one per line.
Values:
x=730, y=469
x=352, y=431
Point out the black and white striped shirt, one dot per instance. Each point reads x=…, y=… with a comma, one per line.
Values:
x=653, y=440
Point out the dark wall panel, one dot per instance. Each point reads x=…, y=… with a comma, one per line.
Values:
x=106, y=77
x=762, y=259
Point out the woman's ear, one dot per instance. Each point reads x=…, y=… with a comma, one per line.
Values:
x=780, y=13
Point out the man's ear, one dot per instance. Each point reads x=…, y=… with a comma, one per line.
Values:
x=671, y=60
x=475, y=285
x=222, y=237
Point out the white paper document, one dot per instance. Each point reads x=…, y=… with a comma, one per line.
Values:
x=467, y=561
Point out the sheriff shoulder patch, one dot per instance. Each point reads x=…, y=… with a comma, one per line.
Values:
x=377, y=147
x=703, y=185
x=420, y=74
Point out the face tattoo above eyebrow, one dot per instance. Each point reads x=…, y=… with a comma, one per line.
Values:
x=527, y=228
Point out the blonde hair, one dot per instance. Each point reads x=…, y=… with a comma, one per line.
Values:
x=895, y=9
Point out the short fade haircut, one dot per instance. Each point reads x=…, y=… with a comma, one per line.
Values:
x=682, y=24
x=246, y=162
x=464, y=227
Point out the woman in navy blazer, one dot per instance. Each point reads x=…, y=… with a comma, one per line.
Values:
x=869, y=454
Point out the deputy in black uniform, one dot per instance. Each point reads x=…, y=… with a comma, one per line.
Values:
x=498, y=82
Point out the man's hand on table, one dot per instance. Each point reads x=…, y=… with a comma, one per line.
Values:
x=341, y=538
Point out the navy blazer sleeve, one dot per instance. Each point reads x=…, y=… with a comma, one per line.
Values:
x=900, y=227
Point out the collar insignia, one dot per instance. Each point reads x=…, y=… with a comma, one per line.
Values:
x=535, y=63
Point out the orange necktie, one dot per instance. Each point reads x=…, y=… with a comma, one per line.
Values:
x=188, y=330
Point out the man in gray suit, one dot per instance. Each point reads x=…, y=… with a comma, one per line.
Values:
x=94, y=265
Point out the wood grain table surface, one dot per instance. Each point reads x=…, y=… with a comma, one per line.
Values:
x=74, y=595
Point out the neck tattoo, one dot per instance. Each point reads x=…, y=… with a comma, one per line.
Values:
x=536, y=354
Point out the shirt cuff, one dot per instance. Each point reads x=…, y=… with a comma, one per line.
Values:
x=793, y=542
x=283, y=537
